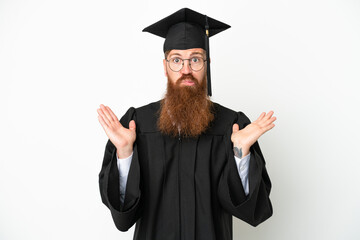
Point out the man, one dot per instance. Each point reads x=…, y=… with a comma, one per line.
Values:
x=181, y=167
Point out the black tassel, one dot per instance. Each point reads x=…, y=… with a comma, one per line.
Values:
x=207, y=56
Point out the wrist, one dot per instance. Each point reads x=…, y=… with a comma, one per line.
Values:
x=246, y=152
x=241, y=151
x=124, y=152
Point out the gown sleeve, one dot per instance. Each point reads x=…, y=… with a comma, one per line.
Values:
x=255, y=207
x=242, y=166
x=127, y=213
x=124, y=167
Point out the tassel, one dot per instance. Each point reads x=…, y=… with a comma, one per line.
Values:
x=207, y=56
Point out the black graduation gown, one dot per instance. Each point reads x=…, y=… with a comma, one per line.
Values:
x=184, y=188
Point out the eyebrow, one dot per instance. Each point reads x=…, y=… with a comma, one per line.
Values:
x=193, y=53
x=172, y=54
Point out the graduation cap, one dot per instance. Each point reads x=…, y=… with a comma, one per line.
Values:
x=186, y=29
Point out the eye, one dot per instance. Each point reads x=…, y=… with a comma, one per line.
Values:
x=195, y=60
x=176, y=60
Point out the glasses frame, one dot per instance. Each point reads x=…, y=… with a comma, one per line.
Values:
x=183, y=61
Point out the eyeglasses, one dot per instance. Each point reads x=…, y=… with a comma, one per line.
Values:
x=195, y=63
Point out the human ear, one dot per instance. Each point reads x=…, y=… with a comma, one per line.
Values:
x=165, y=70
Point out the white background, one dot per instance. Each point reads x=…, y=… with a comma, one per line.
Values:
x=60, y=59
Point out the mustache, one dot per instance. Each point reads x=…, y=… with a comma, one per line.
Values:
x=187, y=77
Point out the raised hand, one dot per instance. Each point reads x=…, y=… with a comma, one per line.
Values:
x=121, y=137
x=243, y=139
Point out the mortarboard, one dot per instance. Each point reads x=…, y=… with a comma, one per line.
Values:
x=187, y=29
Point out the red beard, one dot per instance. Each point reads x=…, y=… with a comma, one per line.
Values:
x=185, y=110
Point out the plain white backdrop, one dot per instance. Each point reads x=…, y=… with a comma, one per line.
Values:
x=60, y=59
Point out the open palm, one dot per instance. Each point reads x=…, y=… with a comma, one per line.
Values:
x=247, y=136
x=121, y=137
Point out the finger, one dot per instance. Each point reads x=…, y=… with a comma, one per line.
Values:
x=261, y=116
x=235, y=128
x=106, y=112
x=265, y=123
x=269, y=127
x=102, y=122
x=269, y=121
x=104, y=117
x=132, y=125
x=112, y=114
x=265, y=120
x=269, y=115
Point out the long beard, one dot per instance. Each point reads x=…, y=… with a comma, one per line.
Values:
x=185, y=110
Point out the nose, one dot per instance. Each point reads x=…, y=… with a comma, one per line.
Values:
x=186, y=67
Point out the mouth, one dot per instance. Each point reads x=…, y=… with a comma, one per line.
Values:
x=187, y=82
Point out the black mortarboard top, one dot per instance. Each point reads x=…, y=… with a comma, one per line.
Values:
x=186, y=29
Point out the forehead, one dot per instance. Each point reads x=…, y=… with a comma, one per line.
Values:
x=187, y=52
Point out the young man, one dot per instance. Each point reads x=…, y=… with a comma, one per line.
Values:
x=181, y=167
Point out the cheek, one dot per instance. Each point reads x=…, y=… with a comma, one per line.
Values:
x=172, y=76
x=200, y=76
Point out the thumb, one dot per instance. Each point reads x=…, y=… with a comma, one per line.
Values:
x=132, y=125
x=235, y=128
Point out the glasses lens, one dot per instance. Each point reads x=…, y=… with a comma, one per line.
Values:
x=175, y=64
x=197, y=63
